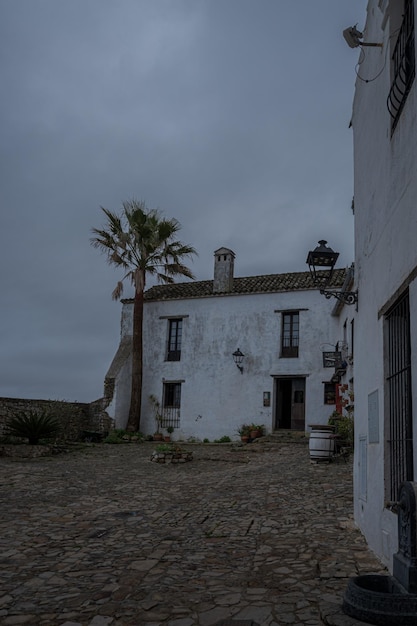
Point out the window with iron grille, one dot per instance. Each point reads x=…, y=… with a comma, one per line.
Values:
x=290, y=334
x=174, y=339
x=403, y=62
x=398, y=381
x=329, y=393
x=171, y=405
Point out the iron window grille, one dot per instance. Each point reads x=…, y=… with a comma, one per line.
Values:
x=398, y=380
x=403, y=64
x=329, y=393
x=171, y=405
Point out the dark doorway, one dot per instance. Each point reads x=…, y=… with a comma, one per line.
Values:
x=290, y=403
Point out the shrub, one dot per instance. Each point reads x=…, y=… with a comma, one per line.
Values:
x=344, y=426
x=119, y=435
x=224, y=439
x=33, y=424
x=171, y=448
x=113, y=437
x=119, y=432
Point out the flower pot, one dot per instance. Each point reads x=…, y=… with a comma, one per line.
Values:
x=167, y=438
x=158, y=437
x=244, y=438
x=254, y=434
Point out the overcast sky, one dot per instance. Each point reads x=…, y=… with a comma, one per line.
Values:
x=230, y=115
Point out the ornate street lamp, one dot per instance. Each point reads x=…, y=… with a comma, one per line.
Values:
x=321, y=262
x=238, y=357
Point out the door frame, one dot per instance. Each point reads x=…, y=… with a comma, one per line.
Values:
x=279, y=401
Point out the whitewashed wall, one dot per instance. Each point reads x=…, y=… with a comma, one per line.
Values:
x=385, y=171
x=216, y=398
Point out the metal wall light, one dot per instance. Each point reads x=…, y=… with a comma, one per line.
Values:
x=321, y=262
x=238, y=357
x=353, y=38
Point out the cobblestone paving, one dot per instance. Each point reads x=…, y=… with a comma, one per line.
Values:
x=101, y=536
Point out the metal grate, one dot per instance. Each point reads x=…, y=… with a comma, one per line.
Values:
x=171, y=405
x=170, y=417
x=399, y=395
x=403, y=60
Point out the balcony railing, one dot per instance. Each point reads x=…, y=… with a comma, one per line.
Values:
x=170, y=417
x=404, y=65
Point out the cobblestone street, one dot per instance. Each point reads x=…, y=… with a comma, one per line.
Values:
x=101, y=536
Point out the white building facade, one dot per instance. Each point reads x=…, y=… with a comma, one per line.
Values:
x=385, y=197
x=279, y=322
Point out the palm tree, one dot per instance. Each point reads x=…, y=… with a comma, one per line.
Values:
x=141, y=241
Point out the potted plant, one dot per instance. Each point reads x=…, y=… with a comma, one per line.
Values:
x=261, y=430
x=344, y=426
x=156, y=405
x=244, y=432
x=170, y=430
x=256, y=430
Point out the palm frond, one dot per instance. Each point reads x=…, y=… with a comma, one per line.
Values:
x=178, y=269
x=164, y=278
x=117, y=291
x=143, y=242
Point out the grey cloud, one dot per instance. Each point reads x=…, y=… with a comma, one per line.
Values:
x=230, y=115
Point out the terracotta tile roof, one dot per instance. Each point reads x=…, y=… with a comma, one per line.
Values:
x=271, y=283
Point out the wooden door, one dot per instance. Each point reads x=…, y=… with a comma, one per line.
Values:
x=290, y=403
x=298, y=404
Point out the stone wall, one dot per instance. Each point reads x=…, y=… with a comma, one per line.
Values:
x=75, y=417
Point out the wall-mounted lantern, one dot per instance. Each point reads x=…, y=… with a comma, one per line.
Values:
x=321, y=262
x=238, y=357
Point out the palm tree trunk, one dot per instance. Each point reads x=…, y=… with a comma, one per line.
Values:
x=133, y=424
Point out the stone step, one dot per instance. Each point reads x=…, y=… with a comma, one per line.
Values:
x=287, y=436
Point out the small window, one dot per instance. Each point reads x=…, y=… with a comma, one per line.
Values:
x=171, y=405
x=290, y=334
x=174, y=339
x=329, y=393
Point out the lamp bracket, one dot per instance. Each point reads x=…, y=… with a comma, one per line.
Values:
x=347, y=297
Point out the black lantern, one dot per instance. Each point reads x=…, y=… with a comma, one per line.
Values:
x=321, y=262
x=238, y=358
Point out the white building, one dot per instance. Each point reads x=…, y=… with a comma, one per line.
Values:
x=279, y=322
x=385, y=189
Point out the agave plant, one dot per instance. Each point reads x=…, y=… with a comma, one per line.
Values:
x=34, y=424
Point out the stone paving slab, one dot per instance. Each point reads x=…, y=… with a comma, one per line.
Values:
x=102, y=536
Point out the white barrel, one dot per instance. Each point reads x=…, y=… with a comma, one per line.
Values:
x=321, y=445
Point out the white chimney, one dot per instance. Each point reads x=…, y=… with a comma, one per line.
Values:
x=224, y=260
